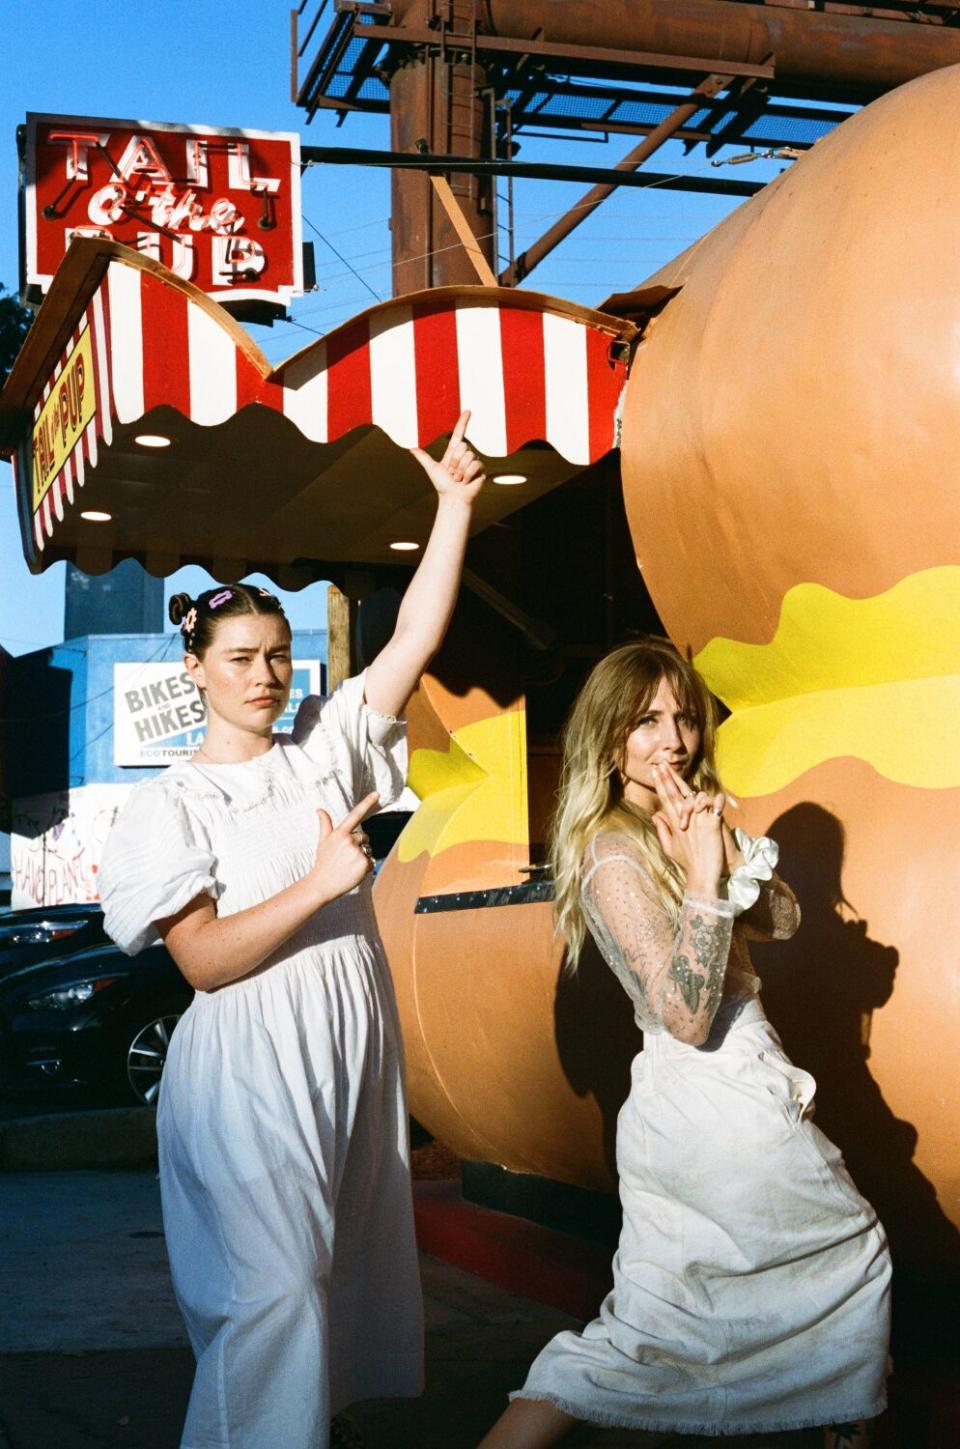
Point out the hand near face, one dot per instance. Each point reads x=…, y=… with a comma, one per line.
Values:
x=689, y=825
x=459, y=473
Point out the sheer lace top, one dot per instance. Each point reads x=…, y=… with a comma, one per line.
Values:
x=676, y=974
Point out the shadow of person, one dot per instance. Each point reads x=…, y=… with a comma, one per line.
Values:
x=820, y=990
x=597, y=1039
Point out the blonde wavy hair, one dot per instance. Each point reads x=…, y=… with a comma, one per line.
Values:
x=608, y=708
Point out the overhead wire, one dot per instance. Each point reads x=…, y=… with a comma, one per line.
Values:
x=356, y=272
x=342, y=258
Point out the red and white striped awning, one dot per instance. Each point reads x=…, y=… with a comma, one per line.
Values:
x=531, y=369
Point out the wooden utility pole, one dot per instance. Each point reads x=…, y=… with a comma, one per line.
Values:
x=341, y=635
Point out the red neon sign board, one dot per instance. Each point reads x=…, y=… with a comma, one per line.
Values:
x=219, y=207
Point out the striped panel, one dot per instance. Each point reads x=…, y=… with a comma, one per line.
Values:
x=524, y=374
x=480, y=358
x=348, y=378
x=126, y=341
x=163, y=312
x=87, y=452
x=39, y=532
x=524, y=380
x=565, y=378
x=212, y=368
x=59, y=489
x=394, y=383
x=252, y=388
x=53, y=492
x=305, y=393
x=437, y=370
x=605, y=380
x=101, y=331
x=75, y=462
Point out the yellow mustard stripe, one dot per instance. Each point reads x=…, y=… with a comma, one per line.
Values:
x=906, y=731
x=874, y=678
x=476, y=790
x=825, y=641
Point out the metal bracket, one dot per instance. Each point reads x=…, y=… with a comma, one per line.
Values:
x=532, y=892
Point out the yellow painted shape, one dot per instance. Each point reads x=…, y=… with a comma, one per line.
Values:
x=906, y=731
x=476, y=790
x=876, y=678
x=67, y=411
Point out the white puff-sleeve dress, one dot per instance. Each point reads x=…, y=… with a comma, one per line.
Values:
x=751, y=1280
x=284, y=1162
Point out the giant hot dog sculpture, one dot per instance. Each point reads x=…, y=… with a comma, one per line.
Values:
x=790, y=457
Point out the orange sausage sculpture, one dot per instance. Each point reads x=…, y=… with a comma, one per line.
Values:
x=789, y=440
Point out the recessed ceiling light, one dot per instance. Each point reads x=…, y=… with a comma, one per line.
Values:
x=93, y=515
x=404, y=546
x=152, y=440
x=509, y=480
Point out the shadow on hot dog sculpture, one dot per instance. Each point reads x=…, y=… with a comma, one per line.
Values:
x=790, y=467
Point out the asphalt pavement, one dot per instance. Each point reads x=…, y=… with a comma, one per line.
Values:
x=93, y=1353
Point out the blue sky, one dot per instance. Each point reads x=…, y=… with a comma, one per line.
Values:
x=206, y=62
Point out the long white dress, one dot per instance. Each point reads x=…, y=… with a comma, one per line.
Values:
x=284, y=1162
x=751, y=1281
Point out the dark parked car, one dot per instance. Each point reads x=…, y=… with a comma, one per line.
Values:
x=42, y=931
x=93, y=1019
x=76, y=1013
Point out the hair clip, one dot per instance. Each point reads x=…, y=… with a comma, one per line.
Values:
x=188, y=623
x=220, y=598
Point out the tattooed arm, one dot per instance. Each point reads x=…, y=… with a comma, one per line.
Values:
x=676, y=971
x=692, y=985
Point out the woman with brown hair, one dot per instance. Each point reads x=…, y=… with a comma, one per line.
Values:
x=751, y=1281
x=282, y=1126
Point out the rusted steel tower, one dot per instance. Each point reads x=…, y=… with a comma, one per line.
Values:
x=466, y=78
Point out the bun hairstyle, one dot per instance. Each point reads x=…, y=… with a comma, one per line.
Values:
x=198, y=618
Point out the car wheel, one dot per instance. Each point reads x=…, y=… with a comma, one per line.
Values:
x=146, y=1054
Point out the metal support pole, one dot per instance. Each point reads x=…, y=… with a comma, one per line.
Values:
x=435, y=101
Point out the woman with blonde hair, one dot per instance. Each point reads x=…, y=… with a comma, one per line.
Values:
x=751, y=1281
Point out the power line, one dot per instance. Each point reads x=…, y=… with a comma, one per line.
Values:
x=343, y=259
x=660, y=182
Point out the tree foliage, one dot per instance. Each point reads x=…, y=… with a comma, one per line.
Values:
x=14, y=325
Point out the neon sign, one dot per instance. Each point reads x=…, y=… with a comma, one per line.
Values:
x=220, y=208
